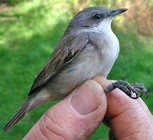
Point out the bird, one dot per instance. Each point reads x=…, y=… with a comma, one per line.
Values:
x=88, y=48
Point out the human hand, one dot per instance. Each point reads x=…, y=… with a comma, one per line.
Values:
x=127, y=118
x=75, y=117
x=80, y=113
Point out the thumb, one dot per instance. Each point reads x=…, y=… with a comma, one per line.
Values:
x=75, y=117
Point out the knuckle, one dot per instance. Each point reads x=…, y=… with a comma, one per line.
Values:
x=50, y=129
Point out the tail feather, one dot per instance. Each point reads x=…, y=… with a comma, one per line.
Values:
x=33, y=101
x=19, y=115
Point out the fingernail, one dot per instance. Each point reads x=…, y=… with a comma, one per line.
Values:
x=85, y=99
x=102, y=81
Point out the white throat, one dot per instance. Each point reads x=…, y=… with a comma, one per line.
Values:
x=105, y=26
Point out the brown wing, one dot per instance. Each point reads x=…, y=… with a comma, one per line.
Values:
x=67, y=49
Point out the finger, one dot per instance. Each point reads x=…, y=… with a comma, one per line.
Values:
x=75, y=117
x=145, y=108
x=129, y=119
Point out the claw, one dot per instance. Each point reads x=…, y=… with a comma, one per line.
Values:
x=140, y=89
x=140, y=94
x=134, y=97
x=129, y=88
x=147, y=93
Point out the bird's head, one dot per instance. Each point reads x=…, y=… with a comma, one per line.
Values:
x=97, y=18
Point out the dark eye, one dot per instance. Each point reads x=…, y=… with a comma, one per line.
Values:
x=97, y=17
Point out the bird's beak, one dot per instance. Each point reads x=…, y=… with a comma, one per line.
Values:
x=117, y=11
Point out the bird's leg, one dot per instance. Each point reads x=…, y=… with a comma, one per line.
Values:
x=128, y=88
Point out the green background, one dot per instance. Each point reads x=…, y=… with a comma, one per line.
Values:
x=29, y=31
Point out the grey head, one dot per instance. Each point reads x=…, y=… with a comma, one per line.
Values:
x=93, y=18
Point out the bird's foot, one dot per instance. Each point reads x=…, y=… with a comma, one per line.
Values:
x=129, y=89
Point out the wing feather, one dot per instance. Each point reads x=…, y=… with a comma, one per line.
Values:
x=67, y=49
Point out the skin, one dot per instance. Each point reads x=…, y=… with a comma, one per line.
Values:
x=85, y=108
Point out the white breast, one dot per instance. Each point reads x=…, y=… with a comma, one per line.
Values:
x=110, y=49
x=110, y=52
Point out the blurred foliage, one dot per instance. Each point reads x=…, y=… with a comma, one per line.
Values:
x=29, y=32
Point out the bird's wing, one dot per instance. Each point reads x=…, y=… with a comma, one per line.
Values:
x=67, y=49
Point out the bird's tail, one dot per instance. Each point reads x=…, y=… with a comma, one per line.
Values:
x=19, y=115
x=32, y=102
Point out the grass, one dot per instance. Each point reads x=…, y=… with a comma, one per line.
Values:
x=26, y=41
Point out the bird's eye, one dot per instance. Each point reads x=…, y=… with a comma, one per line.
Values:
x=97, y=17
